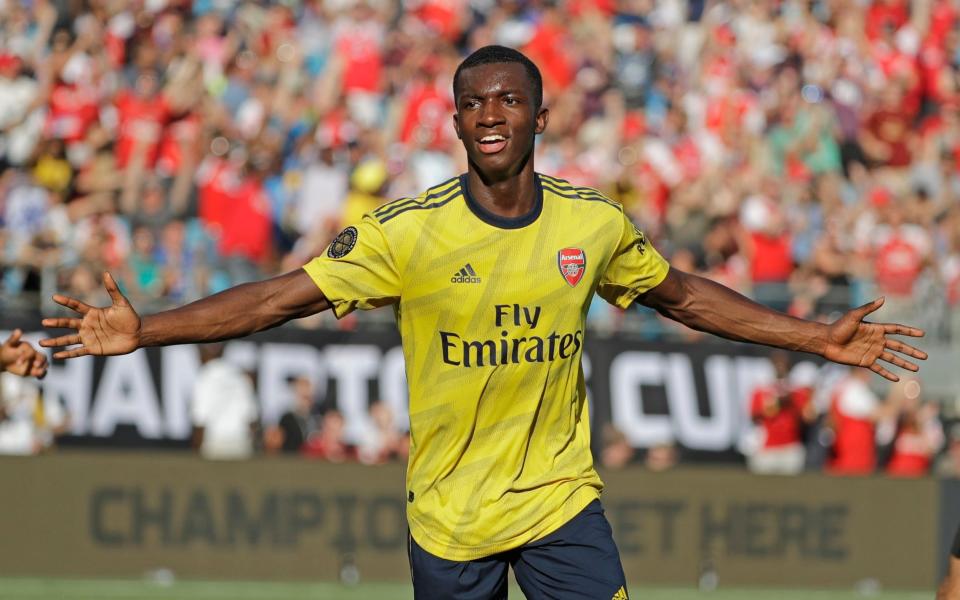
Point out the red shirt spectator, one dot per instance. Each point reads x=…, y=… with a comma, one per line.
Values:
x=218, y=182
x=891, y=127
x=918, y=434
x=912, y=454
x=897, y=266
x=426, y=116
x=580, y=8
x=359, y=45
x=853, y=412
x=943, y=17
x=328, y=443
x=901, y=251
x=780, y=412
x=442, y=16
x=770, y=258
x=892, y=14
x=180, y=132
x=901, y=69
x=935, y=72
x=73, y=109
x=726, y=113
x=142, y=115
x=547, y=49
x=247, y=225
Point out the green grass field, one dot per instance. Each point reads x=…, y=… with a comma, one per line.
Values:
x=87, y=589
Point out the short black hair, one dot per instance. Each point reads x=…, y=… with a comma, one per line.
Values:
x=489, y=55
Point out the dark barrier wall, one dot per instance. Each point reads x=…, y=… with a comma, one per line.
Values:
x=695, y=395
x=119, y=515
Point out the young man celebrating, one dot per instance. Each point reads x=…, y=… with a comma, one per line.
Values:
x=490, y=275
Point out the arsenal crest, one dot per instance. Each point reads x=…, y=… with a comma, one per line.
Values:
x=572, y=263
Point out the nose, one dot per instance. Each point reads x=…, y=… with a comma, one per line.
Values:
x=490, y=114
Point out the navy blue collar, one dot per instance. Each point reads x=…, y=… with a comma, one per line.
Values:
x=504, y=222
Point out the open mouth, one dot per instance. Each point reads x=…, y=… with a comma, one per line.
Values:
x=491, y=144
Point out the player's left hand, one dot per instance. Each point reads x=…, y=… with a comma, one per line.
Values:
x=20, y=358
x=853, y=341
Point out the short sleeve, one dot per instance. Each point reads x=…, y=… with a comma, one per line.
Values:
x=357, y=270
x=636, y=267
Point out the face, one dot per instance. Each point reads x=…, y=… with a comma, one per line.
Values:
x=497, y=118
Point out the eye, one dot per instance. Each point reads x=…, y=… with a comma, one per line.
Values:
x=471, y=104
x=511, y=101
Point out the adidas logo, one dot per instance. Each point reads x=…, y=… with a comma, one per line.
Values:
x=621, y=594
x=465, y=275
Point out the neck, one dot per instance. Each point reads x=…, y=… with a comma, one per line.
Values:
x=510, y=197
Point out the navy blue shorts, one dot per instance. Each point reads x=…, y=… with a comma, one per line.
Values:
x=577, y=561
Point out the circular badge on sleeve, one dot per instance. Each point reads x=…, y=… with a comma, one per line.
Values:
x=343, y=243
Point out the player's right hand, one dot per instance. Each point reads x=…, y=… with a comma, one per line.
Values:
x=101, y=331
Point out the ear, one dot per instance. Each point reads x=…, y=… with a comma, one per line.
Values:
x=543, y=116
x=456, y=125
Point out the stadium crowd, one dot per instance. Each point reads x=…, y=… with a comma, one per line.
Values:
x=803, y=152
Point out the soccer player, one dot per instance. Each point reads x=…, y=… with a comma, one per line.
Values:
x=20, y=358
x=950, y=587
x=490, y=275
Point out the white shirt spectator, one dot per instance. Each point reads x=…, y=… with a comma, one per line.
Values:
x=16, y=97
x=225, y=406
x=322, y=192
x=26, y=425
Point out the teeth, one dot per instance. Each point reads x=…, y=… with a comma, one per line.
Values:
x=493, y=138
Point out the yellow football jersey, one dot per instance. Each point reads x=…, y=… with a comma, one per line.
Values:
x=491, y=314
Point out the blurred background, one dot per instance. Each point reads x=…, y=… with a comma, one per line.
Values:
x=803, y=152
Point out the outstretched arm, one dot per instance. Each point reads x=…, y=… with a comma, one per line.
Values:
x=239, y=311
x=707, y=306
x=20, y=358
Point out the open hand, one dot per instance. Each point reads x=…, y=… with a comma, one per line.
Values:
x=853, y=341
x=101, y=331
x=20, y=358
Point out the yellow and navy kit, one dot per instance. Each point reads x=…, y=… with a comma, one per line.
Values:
x=491, y=312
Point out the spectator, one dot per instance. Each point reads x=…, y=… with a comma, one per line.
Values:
x=661, y=457
x=328, y=442
x=29, y=422
x=781, y=410
x=913, y=430
x=17, y=431
x=366, y=186
x=384, y=442
x=854, y=410
x=224, y=408
x=297, y=424
x=617, y=451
